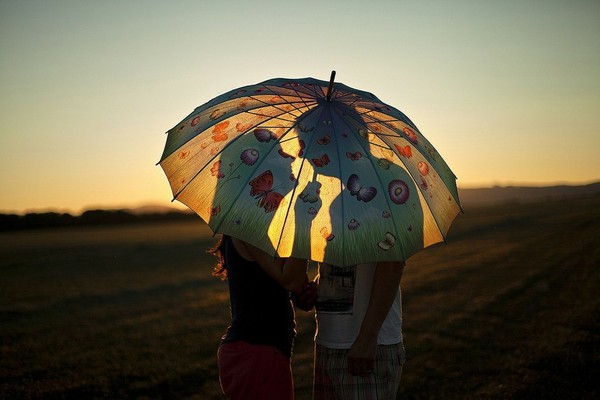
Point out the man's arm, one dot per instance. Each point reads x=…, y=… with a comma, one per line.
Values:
x=386, y=283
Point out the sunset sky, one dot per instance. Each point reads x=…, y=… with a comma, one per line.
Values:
x=508, y=92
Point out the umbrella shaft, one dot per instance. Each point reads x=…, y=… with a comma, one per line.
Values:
x=330, y=88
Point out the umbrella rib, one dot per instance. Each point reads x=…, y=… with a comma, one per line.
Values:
x=283, y=105
x=423, y=138
x=231, y=142
x=338, y=147
x=215, y=156
x=280, y=96
x=217, y=121
x=413, y=179
x=376, y=174
x=304, y=159
x=421, y=190
x=275, y=105
x=251, y=175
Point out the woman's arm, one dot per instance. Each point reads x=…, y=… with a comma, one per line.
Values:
x=288, y=272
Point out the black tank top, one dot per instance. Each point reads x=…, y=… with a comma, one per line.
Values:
x=261, y=310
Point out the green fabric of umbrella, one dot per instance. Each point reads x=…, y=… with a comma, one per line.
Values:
x=312, y=169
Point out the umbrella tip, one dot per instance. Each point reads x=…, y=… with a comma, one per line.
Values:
x=330, y=88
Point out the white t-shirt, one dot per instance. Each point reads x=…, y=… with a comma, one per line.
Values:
x=342, y=302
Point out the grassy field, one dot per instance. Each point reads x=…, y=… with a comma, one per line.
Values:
x=508, y=309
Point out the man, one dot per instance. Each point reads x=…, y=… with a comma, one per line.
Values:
x=359, y=351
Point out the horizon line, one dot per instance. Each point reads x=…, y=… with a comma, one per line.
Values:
x=176, y=206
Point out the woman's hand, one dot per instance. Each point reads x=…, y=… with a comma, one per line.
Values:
x=306, y=298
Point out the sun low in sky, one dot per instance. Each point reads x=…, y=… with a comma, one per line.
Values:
x=507, y=92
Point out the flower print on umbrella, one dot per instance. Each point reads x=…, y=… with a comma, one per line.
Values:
x=398, y=191
x=237, y=93
x=216, y=170
x=410, y=134
x=264, y=135
x=242, y=105
x=384, y=163
x=220, y=131
x=423, y=168
x=353, y=224
x=216, y=114
x=326, y=234
x=249, y=156
x=241, y=127
x=376, y=152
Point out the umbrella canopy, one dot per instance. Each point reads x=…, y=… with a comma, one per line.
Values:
x=312, y=169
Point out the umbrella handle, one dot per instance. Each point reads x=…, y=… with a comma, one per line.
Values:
x=329, y=89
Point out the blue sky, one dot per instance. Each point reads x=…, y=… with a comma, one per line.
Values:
x=508, y=92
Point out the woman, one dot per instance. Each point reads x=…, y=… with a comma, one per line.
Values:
x=255, y=353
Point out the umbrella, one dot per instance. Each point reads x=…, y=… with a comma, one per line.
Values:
x=312, y=169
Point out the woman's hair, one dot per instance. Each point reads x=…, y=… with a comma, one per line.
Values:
x=218, y=250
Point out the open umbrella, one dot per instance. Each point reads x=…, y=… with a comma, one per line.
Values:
x=312, y=169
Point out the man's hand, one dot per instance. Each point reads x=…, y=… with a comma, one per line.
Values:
x=386, y=283
x=305, y=299
x=361, y=356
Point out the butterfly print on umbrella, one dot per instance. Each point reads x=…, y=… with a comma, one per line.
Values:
x=354, y=156
x=311, y=193
x=405, y=151
x=388, y=242
x=362, y=193
x=261, y=188
x=321, y=161
x=325, y=140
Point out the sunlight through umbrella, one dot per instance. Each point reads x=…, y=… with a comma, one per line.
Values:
x=312, y=169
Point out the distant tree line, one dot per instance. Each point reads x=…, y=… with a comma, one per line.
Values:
x=14, y=222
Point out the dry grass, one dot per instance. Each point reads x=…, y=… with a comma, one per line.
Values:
x=509, y=308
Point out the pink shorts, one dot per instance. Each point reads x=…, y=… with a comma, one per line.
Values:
x=254, y=372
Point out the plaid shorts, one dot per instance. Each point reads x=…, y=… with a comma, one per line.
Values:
x=332, y=381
